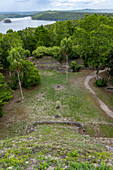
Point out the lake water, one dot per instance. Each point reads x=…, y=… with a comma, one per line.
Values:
x=21, y=23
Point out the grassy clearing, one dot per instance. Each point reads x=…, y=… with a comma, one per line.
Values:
x=53, y=147
x=103, y=130
x=40, y=104
x=75, y=102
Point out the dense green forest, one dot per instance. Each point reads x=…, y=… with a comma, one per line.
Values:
x=90, y=38
x=16, y=14
x=65, y=15
x=54, y=15
x=10, y=15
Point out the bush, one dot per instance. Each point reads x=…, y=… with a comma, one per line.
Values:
x=39, y=52
x=101, y=82
x=27, y=53
x=31, y=75
x=55, y=52
x=48, y=51
x=75, y=67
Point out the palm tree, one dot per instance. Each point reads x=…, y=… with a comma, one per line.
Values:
x=16, y=59
x=66, y=46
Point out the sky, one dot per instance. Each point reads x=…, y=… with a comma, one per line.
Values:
x=43, y=5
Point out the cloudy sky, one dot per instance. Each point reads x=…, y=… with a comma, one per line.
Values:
x=39, y=5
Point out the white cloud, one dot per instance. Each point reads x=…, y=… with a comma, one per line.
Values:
x=26, y=5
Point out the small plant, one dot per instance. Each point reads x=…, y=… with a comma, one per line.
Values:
x=43, y=165
x=101, y=82
x=75, y=67
x=73, y=154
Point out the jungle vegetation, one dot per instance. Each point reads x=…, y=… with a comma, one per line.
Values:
x=90, y=38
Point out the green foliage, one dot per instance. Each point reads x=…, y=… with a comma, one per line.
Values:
x=7, y=42
x=73, y=154
x=62, y=16
x=111, y=67
x=39, y=52
x=78, y=166
x=27, y=53
x=75, y=67
x=55, y=52
x=87, y=166
x=101, y=82
x=5, y=93
x=43, y=165
x=29, y=39
x=48, y=51
x=16, y=58
x=66, y=46
x=94, y=39
x=31, y=75
x=42, y=36
x=13, y=83
x=11, y=15
x=9, y=31
x=26, y=71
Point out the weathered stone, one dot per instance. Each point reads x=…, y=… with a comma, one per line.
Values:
x=58, y=105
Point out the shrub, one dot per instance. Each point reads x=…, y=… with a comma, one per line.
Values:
x=31, y=75
x=39, y=52
x=75, y=67
x=55, y=52
x=48, y=51
x=27, y=53
x=101, y=82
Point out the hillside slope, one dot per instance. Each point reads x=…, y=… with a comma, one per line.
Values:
x=55, y=147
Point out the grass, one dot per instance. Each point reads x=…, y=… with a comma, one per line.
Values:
x=74, y=101
x=40, y=104
x=55, y=148
x=103, y=130
x=105, y=95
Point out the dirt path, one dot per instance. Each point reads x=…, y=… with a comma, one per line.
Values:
x=103, y=106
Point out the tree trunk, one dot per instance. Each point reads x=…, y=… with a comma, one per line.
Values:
x=20, y=85
x=10, y=73
x=66, y=67
x=97, y=72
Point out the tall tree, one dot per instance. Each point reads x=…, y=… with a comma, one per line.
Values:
x=7, y=42
x=16, y=59
x=42, y=36
x=94, y=39
x=66, y=48
x=29, y=39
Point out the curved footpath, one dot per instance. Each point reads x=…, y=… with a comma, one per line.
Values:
x=103, y=106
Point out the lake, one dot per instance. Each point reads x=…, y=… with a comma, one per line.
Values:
x=21, y=23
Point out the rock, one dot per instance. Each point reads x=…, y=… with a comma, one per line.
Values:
x=58, y=105
x=7, y=20
x=57, y=116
